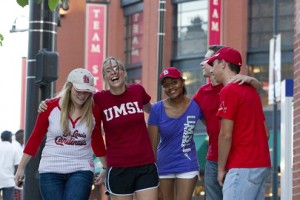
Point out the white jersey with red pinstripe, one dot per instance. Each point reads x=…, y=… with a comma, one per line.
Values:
x=65, y=152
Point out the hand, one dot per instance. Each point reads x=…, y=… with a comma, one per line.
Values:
x=241, y=79
x=19, y=178
x=43, y=106
x=100, y=178
x=221, y=176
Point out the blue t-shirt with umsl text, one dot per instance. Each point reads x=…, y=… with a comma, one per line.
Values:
x=176, y=151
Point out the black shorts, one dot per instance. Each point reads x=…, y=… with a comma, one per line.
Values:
x=128, y=180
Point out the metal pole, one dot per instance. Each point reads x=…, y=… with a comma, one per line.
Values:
x=42, y=35
x=161, y=38
x=275, y=143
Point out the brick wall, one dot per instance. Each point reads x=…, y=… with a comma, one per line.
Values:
x=296, y=143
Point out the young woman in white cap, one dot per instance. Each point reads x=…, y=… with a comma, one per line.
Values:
x=171, y=126
x=72, y=128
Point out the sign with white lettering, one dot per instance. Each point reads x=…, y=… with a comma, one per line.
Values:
x=214, y=25
x=137, y=37
x=95, y=40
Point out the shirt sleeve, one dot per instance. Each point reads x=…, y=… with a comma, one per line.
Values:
x=201, y=115
x=40, y=130
x=228, y=104
x=17, y=157
x=153, y=118
x=197, y=96
x=145, y=95
x=97, y=141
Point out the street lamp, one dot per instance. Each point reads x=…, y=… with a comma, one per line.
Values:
x=160, y=45
x=42, y=36
x=14, y=28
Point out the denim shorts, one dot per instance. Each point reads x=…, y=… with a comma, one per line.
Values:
x=128, y=180
x=213, y=190
x=246, y=183
x=72, y=186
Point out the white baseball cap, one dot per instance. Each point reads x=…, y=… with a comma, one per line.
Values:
x=82, y=80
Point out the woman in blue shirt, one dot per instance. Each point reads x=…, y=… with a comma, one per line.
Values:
x=171, y=126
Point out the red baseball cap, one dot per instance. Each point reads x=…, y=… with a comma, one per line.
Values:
x=171, y=72
x=228, y=54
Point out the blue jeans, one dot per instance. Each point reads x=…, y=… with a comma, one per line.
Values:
x=8, y=193
x=246, y=183
x=72, y=186
x=213, y=189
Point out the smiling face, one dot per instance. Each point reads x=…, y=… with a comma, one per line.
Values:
x=79, y=98
x=114, y=74
x=173, y=87
x=205, y=69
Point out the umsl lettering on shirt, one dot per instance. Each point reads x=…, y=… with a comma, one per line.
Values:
x=124, y=109
x=188, y=133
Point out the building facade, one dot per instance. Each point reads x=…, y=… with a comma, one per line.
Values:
x=189, y=26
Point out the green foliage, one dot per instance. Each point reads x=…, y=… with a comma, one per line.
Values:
x=52, y=4
x=22, y=3
x=1, y=39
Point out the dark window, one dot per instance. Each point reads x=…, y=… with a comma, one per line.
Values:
x=133, y=42
x=190, y=28
x=133, y=38
x=261, y=25
x=129, y=2
x=190, y=40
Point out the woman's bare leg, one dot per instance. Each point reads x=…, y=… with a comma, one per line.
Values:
x=114, y=197
x=185, y=188
x=166, y=189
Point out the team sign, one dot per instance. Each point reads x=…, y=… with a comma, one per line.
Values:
x=95, y=41
x=214, y=22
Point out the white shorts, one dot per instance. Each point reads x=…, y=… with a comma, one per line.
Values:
x=187, y=175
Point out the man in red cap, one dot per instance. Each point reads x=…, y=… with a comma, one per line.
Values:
x=243, y=154
x=208, y=98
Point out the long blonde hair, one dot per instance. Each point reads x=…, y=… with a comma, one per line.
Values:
x=67, y=106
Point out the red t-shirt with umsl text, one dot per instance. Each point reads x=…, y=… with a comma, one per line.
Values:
x=127, y=139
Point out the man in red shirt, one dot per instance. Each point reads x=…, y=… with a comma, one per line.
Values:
x=208, y=98
x=243, y=152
